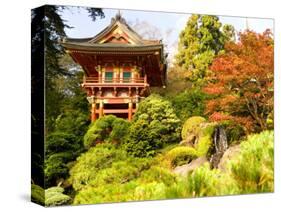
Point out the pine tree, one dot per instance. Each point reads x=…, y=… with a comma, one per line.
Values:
x=202, y=39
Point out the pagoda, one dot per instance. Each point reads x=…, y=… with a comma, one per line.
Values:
x=119, y=68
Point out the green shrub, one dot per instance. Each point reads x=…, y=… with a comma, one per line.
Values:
x=189, y=103
x=119, y=130
x=142, y=142
x=205, y=139
x=154, y=126
x=106, y=129
x=150, y=191
x=151, y=184
x=106, y=164
x=202, y=182
x=50, y=197
x=191, y=125
x=37, y=194
x=121, y=172
x=62, y=142
x=54, y=196
x=106, y=194
x=56, y=167
x=61, y=148
x=203, y=145
x=157, y=174
x=253, y=169
x=73, y=122
x=181, y=155
x=90, y=163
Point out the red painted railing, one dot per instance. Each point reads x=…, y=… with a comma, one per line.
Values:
x=100, y=80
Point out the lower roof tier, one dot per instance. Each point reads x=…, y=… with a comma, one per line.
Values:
x=149, y=63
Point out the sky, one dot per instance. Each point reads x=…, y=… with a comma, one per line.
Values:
x=166, y=26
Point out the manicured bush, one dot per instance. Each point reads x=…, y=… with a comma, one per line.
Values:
x=120, y=172
x=105, y=164
x=157, y=174
x=203, y=145
x=181, y=155
x=54, y=196
x=50, y=197
x=154, y=125
x=142, y=140
x=106, y=194
x=205, y=139
x=150, y=185
x=37, y=194
x=56, y=167
x=253, y=169
x=191, y=125
x=61, y=148
x=90, y=163
x=119, y=130
x=150, y=191
x=106, y=129
x=189, y=103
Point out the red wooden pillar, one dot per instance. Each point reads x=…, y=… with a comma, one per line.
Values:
x=94, y=116
x=130, y=111
x=101, y=109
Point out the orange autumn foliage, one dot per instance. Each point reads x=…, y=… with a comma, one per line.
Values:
x=241, y=81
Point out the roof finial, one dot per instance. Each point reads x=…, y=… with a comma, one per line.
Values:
x=118, y=15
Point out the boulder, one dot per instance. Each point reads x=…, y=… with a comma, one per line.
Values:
x=185, y=169
x=227, y=156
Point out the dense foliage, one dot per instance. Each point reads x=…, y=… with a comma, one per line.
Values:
x=181, y=155
x=253, y=169
x=143, y=179
x=242, y=82
x=54, y=196
x=155, y=125
x=106, y=129
x=54, y=30
x=37, y=194
x=50, y=197
x=52, y=79
x=191, y=125
x=96, y=167
x=61, y=148
x=190, y=102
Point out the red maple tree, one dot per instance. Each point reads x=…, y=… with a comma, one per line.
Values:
x=241, y=81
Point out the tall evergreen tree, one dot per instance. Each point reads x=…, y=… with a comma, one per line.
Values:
x=47, y=28
x=54, y=31
x=202, y=39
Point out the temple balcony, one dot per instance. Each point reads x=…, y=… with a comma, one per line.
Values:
x=114, y=82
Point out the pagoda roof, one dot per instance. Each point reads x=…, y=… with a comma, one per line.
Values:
x=111, y=46
x=119, y=42
x=118, y=36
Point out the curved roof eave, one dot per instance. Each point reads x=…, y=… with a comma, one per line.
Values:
x=105, y=47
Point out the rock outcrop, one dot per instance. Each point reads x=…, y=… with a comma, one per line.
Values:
x=185, y=169
x=230, y=153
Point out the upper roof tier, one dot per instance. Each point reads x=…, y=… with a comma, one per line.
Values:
x=118, y=36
